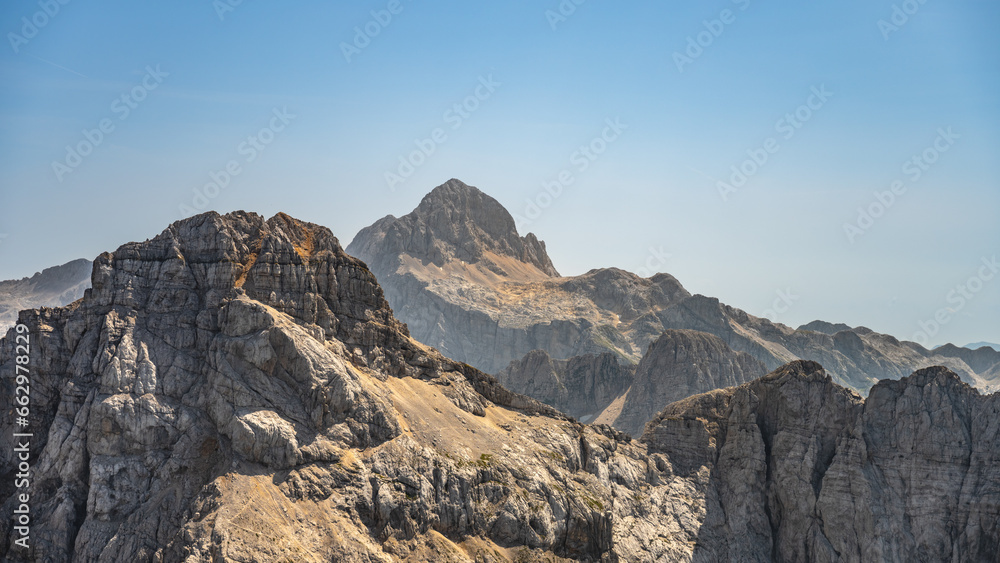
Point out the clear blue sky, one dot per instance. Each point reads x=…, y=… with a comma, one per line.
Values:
x=553, y=84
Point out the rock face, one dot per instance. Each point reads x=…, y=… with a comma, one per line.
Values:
x=237, y=389
x=800, y=469
x=484, y=295
x=993, y=375
x=52, y=287
x=582, y=386
x=679, y=364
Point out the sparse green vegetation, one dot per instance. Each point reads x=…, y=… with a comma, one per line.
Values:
x=593, y=503
x=556, y=456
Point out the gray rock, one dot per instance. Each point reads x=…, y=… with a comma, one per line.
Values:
x=454, y=222
x=238, y=389
x=801, y=469
x=679, y=364
x=582, y=386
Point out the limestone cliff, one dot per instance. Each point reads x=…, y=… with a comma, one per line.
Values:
x=800, y=469
x=458, y=274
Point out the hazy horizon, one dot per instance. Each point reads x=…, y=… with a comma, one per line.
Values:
x=730, y=145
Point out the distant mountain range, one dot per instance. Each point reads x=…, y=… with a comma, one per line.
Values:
x=458, y=273
x=977, y=345
x=52, y=287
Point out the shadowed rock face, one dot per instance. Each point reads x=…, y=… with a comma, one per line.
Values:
x=981, y=360
x=801, y=469
x=52, y=287
x=582, y=386
x=679, y=364
x=237, y=389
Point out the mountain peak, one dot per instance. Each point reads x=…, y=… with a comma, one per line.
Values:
x=450, y=192
x=291, y=266
x=458, y=203
x=454, y=222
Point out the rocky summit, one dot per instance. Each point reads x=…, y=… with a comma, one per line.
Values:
x=456, y=223
x=238, y=390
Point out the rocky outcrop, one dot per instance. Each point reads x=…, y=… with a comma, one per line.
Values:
x=204, y=347
x=582, y=386
x=800, y=469
x=52, y=287
x=598, y=388
x=679, y=364
x=925, y=449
